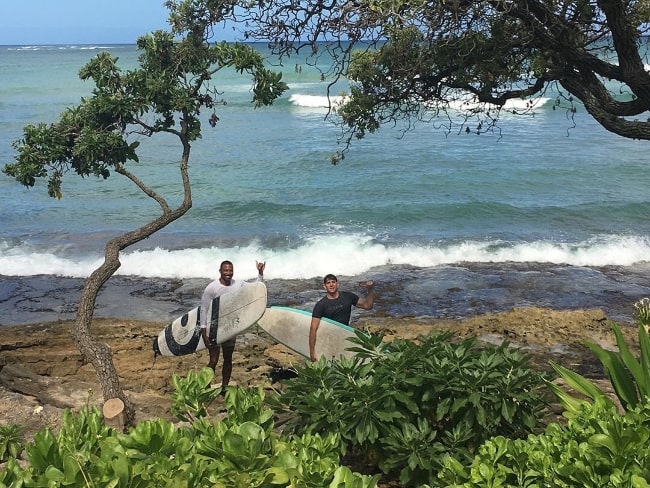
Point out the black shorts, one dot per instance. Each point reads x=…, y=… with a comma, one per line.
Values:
x=228, y=343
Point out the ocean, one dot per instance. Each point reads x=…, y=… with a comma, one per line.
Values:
x=548, y=211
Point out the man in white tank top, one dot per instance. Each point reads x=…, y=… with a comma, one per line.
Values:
x=224, y=284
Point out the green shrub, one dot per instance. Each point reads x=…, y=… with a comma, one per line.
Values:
x=597, y=448
x=67, y=458
x=400, y=405
x=12, y=475
x=248, y=405
x=193, y=394
x=629, y=375
x=11, y=442
x=242, y=450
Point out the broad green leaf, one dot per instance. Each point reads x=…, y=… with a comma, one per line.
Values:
x=54, y=474
x=644, y=343
x=578, y=382
x=639, y=482
x=619, y=375
x=605, y=441
x=278, y=476
x=632, y=363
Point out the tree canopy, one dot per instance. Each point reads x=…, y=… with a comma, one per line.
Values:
x=413, y=60
x=168, y=93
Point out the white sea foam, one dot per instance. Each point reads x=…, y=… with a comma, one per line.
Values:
x=316, y=101
x=344, y=255
x=63, y=47
x=517, y=104
x=460, y=105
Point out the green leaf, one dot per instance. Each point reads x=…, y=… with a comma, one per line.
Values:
x=605, y=441
x=278, y=476
x=644, y=343
x=54, y=474
x=639, y=482
x=619, y=375
x=569, y=402
x=578, y=382
x=636, y=368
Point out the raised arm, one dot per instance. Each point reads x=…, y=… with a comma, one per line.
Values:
x=369, y=300
x=260, y=270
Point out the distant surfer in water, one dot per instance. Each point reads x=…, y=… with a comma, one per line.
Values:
x=224, y=284
x=337, y=305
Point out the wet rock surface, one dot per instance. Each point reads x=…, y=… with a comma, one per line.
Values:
x=458, y=291
x=42, y=372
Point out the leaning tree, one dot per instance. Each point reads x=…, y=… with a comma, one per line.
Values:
x=171, y=91
x=409, y=61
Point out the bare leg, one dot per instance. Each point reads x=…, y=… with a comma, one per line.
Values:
x=226, y=369
x=214, y=357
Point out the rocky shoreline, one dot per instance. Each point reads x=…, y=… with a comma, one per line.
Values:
x=42, y=373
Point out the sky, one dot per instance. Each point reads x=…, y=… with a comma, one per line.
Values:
x=32, y=22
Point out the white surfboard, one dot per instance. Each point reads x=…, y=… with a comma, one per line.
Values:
x=290, y=326
x=231, y=314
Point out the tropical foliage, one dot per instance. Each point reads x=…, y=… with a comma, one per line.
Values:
x=193, y=396
x=436, y=413
x=243, y=450
x=598, y=447
x=11, y=441
x=402, y=405
x=629, y=375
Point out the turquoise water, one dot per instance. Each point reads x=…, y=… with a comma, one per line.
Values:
x=543, y=190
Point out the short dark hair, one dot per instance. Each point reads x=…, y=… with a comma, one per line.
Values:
x=329, y=277
x=225, y=262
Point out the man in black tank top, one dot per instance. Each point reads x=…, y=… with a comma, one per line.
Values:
x=337, y=305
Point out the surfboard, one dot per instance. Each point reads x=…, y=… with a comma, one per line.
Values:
x=290, y=326
x=231, y=315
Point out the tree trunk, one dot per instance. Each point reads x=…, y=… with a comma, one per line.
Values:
x=96, y=352
x=114, y=414
x=92, y=350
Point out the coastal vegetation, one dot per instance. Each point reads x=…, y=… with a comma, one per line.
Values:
x=602, y=443
x=403, y=406
x=433, y=412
